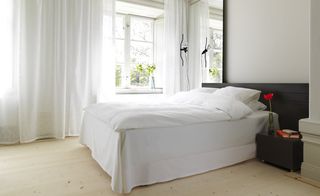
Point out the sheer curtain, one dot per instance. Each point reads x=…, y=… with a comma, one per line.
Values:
x=175, y=14
x=107, y=85
x=9, y=123
x=60, y=56
x=198, y=32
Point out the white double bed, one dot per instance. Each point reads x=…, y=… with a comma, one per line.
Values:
x=194, y=132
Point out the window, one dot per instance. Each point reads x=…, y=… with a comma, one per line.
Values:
x=139, y=37
x=134, y=40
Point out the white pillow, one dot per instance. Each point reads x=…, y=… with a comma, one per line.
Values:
x=233, y=107
x=256, y=105
x=195, y=98
x=245, y=95
x=204, y=90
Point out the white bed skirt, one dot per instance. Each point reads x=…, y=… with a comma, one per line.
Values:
x=147, y=156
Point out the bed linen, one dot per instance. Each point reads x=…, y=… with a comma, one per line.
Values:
x=156, y=154
x=208, y=108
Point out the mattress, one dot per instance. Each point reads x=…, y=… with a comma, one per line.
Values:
x=150, y=155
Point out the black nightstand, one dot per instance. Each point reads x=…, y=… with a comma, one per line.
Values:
x=286, y=153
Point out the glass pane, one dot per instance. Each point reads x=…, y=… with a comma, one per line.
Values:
x=139, y=76
x=119, y=31
x=141, y=52
x=215, y=69
x=141, y=29
x=217, y=59
x=120, y=51
x=217, y=39
x=118, y=75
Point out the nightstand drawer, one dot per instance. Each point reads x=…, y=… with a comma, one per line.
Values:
x=286, y=153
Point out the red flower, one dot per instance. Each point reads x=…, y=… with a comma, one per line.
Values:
x=268, y=97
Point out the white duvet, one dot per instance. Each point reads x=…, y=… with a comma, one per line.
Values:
x=205, y=108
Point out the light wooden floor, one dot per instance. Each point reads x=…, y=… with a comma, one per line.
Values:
x=66, y=168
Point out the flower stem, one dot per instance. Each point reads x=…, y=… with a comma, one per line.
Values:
x=270, y=105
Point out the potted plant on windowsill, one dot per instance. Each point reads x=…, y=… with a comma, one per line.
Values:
x=140, y=70
x=150, y=70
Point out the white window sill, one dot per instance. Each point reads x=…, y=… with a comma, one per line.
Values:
x=139, y=91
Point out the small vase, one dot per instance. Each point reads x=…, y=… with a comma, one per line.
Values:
x=270, y=124
x=152, y=82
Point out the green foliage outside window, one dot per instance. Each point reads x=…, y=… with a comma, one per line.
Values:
x=214, y=72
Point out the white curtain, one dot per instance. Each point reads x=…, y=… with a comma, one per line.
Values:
x=198, y=32
x=175, y=77
x=59, y=47
x=107, y=84
x=8, y=98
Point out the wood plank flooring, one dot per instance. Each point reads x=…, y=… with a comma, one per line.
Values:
x=64, y=167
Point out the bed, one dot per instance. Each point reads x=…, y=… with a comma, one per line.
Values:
x=146, y=155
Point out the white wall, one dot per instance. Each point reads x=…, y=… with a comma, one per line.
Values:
x=310, y=128
x=268, y=41
x=315, y=62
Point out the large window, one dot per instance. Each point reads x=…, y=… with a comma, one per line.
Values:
x=139, y=37
x=134, y=51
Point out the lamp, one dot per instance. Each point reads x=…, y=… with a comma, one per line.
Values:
x=204, y=52
x=183, y=48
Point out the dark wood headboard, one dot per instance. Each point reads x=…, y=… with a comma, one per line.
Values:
x=291, y=100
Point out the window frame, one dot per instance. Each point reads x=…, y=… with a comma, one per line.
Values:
x=126, y=65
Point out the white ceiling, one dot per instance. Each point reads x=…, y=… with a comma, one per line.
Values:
x=136, y=9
